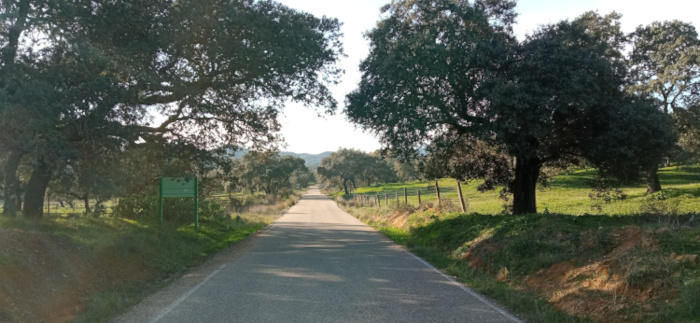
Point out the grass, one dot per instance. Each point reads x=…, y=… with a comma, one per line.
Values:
x=107, y=245
x=570, y=263
x=567, y=194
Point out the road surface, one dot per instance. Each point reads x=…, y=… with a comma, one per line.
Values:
x=319, y=264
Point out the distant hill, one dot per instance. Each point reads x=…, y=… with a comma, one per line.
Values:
x=312, y=160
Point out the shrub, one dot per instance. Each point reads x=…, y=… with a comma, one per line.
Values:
x=178, y=210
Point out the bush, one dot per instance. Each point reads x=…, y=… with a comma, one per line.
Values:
x=178, y=210
x=137, y=207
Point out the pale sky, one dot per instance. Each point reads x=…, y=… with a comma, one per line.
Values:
x=305, y=132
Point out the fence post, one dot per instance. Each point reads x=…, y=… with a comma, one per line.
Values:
x=396, y=195
x=461, y=199
x=405, y=196
x=379, y=202
x=418, y=192
x=437, y=192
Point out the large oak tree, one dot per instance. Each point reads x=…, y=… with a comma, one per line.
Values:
x=218, y=71
x=446, y=68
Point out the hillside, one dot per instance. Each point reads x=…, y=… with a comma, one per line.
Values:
x=312, y=160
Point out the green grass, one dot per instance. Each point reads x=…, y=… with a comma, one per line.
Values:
x=166, y=251
x=567, y=194
x=169, y=251
x=568, y=229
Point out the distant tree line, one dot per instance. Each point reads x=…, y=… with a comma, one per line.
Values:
x=348, y=169
x=268, y=172
x=449, y=78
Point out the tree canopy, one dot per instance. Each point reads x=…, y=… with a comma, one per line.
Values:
x=270, y=173
x=80, y=77
x=452, y=68
x=352, y=166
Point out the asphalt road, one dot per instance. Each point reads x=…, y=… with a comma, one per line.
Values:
x=319, y=264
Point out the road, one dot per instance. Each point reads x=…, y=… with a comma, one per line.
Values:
x=319, y=264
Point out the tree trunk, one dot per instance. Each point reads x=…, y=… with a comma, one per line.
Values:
x=36, y=189
x=525, y=185
x=86, y=201
x=653, y=183
x=11, y=185
x=345, y=186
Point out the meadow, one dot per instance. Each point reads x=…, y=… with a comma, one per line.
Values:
x=566, y=194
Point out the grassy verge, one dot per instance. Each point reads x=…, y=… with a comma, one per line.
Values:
x=565, y=267
x=88, y=269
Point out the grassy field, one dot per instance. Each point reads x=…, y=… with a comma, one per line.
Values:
x=567, y=194
x=87, y=269
x=634, y=260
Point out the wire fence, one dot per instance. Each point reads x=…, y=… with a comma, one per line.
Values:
x=433, y=195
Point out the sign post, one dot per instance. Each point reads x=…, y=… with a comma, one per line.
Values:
x=179, y=187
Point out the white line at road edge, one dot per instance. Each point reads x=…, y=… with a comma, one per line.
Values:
x=184, y=297
x=467, y=289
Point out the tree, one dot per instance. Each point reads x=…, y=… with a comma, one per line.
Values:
x=219, y=71
x=301, y=178
x=406, y=170
x=466, y=158
x=665, y=66
x=425, y=70
x=688, y=125
x=350, y=165
x=270, y=173
x=665, y=63
x=622, y=152
x=441, y=68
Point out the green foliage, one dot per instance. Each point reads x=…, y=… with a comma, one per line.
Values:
x=554, y=97
x=137, y=207
x=353, y=166
x=272, y=174
x=79, y=80
x=664, y=63
x=688, y=125
x=177, y=210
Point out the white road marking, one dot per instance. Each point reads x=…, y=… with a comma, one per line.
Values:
x=466, y=289
x=184, y=297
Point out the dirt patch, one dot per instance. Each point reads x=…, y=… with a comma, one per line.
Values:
x=399, y=219
x=596, y=288
x=43, y=279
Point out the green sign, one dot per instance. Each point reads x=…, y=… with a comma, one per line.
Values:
x=179, y=187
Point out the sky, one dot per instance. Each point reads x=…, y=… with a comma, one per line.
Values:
x=305, y=132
